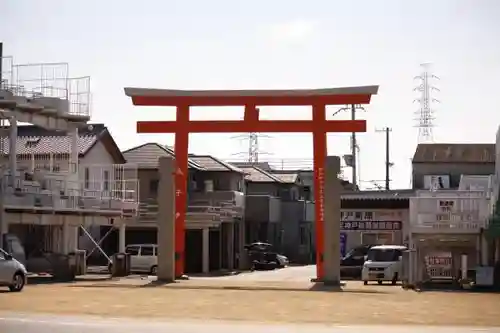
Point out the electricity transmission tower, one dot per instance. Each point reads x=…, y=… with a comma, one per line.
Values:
x=425, y=113
x=253, y=152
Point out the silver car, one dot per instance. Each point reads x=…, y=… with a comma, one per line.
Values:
x=13, y=274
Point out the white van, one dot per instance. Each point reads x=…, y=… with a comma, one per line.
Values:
x=143, y=258
x=383, y=263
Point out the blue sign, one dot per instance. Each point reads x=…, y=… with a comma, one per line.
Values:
x=343, y=243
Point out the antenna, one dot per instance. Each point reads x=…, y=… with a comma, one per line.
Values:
x=425, y=113
x=252, y=155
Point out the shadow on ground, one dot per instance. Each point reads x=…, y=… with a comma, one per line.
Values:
x=185, y=286
x=44, y=280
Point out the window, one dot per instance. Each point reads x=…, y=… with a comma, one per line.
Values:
x=240, y=186
x=106, y=180
x=368, y=215
x=147, y=251
x=87, y=178
x=358, y=215
x=446, y=205
x=153, y=187
x=384, y=255
x=132, y=250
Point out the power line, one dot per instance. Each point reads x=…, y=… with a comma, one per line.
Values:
x=425, y=113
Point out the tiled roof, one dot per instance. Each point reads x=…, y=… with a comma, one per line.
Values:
x=455, y=153
x=146, y=156
x=257, y=175
x=38, y=141
x=210, y=163
x=286, y=177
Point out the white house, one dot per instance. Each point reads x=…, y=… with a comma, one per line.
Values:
x=104, y=192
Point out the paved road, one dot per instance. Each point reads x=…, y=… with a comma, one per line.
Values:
x=22, y=323
x=289, y=274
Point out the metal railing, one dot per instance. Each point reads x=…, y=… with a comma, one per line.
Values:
x=37, y=80
x=197, y=211
x=449, y=226
x=59, y=194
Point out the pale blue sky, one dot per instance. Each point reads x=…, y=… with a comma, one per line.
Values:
x=275, y=44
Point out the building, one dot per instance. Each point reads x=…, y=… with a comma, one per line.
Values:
x=215, y=209
x=451, y=208
x=446, y=163
x=374, y=218
x=278, y=210
x=61, y=178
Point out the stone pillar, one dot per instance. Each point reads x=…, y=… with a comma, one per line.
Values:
x=122, y=232
x=206, y=250
x=332, y=222
x=166, y=220
x=230, y=245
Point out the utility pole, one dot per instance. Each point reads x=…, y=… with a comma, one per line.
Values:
x=354, y=145
x=388, y=163
x=353, y=149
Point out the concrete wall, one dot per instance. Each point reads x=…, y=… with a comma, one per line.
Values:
x=455, y=170
x=262, y=209
x=271, y=189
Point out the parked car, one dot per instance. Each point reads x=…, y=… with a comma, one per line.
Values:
x=352, y=264
x=263, y=256
x=383, y=263
x=13, y=274
x=143, y=258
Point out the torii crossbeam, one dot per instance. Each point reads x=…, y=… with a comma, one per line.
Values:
x=250, y=99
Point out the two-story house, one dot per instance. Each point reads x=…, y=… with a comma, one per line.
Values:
x=277, y=210
x=450, y=209
x=104, y=187
x=215, y=208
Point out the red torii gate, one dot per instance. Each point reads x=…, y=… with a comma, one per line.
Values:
x=250, y=99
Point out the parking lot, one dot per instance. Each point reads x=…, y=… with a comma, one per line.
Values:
x=271, y=296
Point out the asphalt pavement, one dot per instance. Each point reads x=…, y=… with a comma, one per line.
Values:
x=28, y=323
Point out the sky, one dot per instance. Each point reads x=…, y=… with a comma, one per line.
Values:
x=275, y=44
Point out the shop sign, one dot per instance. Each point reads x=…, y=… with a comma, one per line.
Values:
x=370, y=225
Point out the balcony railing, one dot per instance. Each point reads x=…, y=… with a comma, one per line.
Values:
x=448, y=227
x=58, y=193
x=207, y=210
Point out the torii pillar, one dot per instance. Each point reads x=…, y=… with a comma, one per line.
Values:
x=251, y=99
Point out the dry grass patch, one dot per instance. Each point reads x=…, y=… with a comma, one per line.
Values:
x=383, y=305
